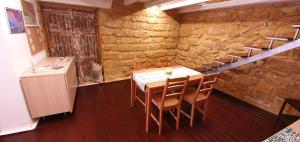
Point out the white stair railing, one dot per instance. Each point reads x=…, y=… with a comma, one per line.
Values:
x=269, y=53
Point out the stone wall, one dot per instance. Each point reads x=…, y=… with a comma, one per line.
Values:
x=208, y=35
x=132, y=34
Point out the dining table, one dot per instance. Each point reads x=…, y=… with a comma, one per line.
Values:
x=152, y=80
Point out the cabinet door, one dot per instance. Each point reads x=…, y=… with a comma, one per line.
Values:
x=71, y=81
x=45, y=95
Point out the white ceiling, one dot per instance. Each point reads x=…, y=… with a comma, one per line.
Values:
x=199, y=6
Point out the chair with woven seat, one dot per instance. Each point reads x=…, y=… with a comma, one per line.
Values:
x=171, y=98
x=200, y=95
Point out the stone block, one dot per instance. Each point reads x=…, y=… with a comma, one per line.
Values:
x=141, y=33
x=156, y=39
x=129, y=32
x=171, y=40
x=109, y=39
x=169, y=46
x=156, y=54
x=109, y=56
x=194, y=41
x=154, y=46
x=152, y=20
x=114, y=23
x=139, y=19
x=126, y=55
x=127, y=40
x=139, y=47
x=107, y=47
x=264, y=87
x=146, y=26
x=132, y=25
x=106, y=31
x=283, y=66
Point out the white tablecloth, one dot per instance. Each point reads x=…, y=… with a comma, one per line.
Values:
x=144, y=78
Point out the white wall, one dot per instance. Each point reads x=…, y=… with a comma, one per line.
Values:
x=15, y=58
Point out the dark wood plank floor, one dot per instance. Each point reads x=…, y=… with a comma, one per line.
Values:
x=102, y=114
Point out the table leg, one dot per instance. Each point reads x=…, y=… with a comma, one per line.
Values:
x=148, y=114
x=133, y=90
x=146, y=100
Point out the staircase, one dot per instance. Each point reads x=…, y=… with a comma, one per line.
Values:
x=235, y=60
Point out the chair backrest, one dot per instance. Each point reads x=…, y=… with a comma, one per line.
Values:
x=141, y=65
x=157, y=62
x=174, y=88
x=206, y=84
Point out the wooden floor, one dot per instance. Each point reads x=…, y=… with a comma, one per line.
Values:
x=102, y=114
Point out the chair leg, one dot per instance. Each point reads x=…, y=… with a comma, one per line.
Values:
x=178, y=118
x=161, y=113
x=133, y=92
x=204, y=110
x=192, y=115
x=146, y=104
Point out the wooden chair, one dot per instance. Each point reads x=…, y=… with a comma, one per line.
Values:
x=170, y=99
x=138, y=66
x=200, y=95
x=144, y=64
x=158, y=63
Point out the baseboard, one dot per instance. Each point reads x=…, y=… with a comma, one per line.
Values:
x=244, y=101
x=88, y=84
x=117, y=80
x=20, y=129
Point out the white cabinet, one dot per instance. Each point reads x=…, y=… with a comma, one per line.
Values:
x=52, y=88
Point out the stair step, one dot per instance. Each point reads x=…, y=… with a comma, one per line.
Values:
x=279, y=38
x=211, y=65
x=235, y=56
x=224, y=60
x=201, y=69
x=296, y=26
x=240, y=54
x=256, y=48
x=220, y=62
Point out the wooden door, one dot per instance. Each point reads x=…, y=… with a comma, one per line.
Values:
x=72, y=32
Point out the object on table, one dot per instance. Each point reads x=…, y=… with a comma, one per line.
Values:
x=168, y=71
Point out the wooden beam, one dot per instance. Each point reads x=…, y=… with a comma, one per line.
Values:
x=156, y=2
x=129, y=2
x=229, y=4
x=91, y=3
